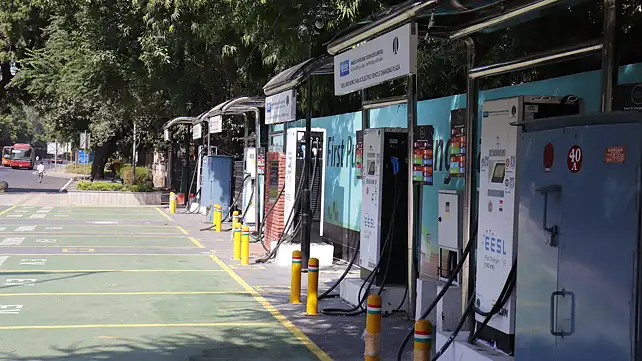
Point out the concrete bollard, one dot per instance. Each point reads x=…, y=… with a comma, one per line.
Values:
x=245, y=246
x=237, y=241
x=218, y=217
x=295, y=282
x=313, y=288
x=423, y=340
x=372, y=335
x=172, y=202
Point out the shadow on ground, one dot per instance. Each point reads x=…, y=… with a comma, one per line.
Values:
x=231, y=344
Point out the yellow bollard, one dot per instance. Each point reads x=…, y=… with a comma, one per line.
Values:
x=423, y=340
x=245, y=245
x=295, y=283
x=237, y=241
x=235, y=217
x=373, y=328
x=313, y=287
x=172, y=202
x=218, y=217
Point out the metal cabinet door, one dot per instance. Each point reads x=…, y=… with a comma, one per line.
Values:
x=537, y=260
x=592, y=308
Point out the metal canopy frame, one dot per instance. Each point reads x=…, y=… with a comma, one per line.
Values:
x=461, y=25
x=293, y=78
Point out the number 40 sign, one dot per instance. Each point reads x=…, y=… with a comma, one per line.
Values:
x=574, y=159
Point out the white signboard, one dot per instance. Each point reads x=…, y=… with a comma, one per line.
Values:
x=166, y=135
x=85, y=140
x=62, y=148
x=215, y=124
x=389, y=56
x=281, y=107
x=197, y=131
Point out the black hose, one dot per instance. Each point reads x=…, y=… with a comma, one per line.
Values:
x=504, y=296
x=326, y=294
x=387, y=247
x=235, y=200
x=271, y=254
x=440, y=295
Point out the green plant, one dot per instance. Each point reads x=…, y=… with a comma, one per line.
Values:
x=143, y=175
x=112, y=187
x=99, y=186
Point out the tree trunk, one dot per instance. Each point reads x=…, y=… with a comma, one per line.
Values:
x=101, y=154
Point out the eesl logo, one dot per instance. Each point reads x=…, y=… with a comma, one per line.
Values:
x=344, y=68
x=268, y=107
x=485, y=115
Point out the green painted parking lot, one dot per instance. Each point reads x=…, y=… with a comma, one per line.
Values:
x=94, y=241
x=174, y=300
x=86, y=228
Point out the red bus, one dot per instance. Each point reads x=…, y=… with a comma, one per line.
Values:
x=22, y=156
x=6, y=156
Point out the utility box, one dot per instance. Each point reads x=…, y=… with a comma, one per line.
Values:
x=217, y=182
x=449, y=223
x=578, y=282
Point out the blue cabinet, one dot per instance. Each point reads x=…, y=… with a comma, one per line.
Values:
x=578, y=240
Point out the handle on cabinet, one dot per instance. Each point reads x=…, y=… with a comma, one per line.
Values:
x=554, y=313
x=552, y=230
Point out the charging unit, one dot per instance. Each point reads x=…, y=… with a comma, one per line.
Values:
x=385, y=175
x=250, y=198
x=579, y=232
x=216, y=187
x=497, y=232
x=294, y=163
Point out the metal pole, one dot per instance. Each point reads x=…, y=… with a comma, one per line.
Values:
x=412, y=266
x=610, y=53
x=186, y=177
x=209, y=139
x=257, y=183
x=134, y=157
x=56, y=154
x=365, y=113
x=468, y=283
x=306, y=221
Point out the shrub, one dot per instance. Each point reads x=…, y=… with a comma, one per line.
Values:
x=143, y=175
x=99, y=186
x=112, y=187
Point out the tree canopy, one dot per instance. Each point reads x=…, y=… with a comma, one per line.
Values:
x=104, y=66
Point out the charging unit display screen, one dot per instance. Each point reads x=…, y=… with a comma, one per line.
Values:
x=498, y=173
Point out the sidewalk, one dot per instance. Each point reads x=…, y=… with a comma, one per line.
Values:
x=338, y=336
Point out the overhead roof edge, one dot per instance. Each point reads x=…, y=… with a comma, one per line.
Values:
x=296, y=75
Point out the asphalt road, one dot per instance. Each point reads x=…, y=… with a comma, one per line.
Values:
x=26, y=181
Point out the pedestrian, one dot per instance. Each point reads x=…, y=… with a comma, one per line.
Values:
x=41, y=172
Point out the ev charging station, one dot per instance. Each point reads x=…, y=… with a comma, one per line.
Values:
x=295, y=208
x=457, y=244
x=497, y=213
x=384, y=235
x=294, y=165
x=252, y=210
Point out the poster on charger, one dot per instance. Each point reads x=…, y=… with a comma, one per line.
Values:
x=281, y=107
x=387, y=57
